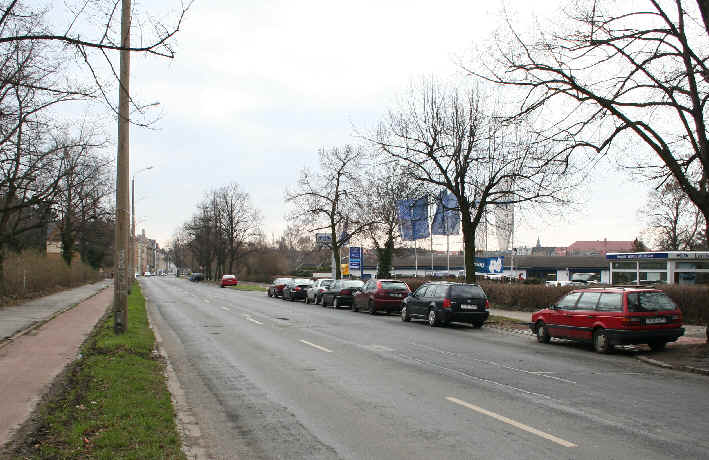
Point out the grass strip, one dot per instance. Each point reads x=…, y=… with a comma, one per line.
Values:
x=116, y=404
x=249, y=287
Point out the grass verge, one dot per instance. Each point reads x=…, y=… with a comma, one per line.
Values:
x=115, y=404
x=249, y=287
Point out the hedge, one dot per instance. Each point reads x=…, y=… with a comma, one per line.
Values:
x=692, y=300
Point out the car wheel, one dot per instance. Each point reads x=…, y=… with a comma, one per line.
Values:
x=600, y=341
x=372, y=308
x=336, y=303
x=542, y=333
x=432, y=318
x=269, y=293
x=355, y=308
x=657, y=345
x=318, y=300
x=405, y=314
x=477, y=324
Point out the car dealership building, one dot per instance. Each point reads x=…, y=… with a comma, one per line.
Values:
x=672, y=267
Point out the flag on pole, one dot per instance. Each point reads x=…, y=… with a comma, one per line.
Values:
x=446, y=221
x=413, y=218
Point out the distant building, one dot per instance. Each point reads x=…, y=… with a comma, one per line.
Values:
x=598, y=248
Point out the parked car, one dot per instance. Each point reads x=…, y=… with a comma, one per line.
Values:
x=229, y=280
x=314, y=294
x=440, y=302
x=147, y=274
x=296, y=289
x=196, y=277
x=381, y=295
x=276, y=288
x=340, y=293
x=611, y=316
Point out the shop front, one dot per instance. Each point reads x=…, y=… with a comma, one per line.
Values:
x=670, y=267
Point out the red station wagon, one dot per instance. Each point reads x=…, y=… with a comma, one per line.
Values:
x=611, y=316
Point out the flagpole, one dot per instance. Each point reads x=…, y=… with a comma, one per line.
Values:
x=416, y=260
x=431, y=235
x=448, y=252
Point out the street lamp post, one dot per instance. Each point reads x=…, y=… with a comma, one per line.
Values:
x=132, y=246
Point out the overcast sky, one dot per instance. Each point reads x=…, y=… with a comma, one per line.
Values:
x=257, y=87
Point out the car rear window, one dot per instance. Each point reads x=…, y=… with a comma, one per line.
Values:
x=610, y=301
x=352, y=283
x=394, y=285
x=228, y=277
x=649, y=301
x=302, y=281
x=466, y=291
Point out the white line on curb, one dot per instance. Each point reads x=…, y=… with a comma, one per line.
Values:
x=316, y=346
x=509, y=421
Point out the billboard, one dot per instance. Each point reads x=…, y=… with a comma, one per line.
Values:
x=491, y=265
x=355, y=258
x=323, y=239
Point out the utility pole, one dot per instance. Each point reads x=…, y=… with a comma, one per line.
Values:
x=122, y=243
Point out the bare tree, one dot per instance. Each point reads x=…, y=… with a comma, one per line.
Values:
x=89, y=32
x=446, y=141
x=386, y=184
x=240, y=223
x=623, y=78
x=328, y=199
x=674, y=222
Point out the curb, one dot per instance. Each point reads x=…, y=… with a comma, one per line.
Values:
x=681, y=367
x=39, y=323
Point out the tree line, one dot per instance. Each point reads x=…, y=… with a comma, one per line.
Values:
x=54, y=174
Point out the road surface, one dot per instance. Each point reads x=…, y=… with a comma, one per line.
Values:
x=266, y=378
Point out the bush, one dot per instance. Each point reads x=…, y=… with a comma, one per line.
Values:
x=33, y=273
x=692, y=300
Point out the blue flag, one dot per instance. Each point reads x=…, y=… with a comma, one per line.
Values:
x=446, y=221
x=413, y=218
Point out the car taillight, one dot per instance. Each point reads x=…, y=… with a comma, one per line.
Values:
x=676, y=317
x=346, y=292
x=487, y=304
x=297, y=288
x=446, y=303
x=631, y=320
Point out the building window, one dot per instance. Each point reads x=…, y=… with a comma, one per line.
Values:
x=691, y=277
x=624, y=265
x=700, y=264
x=623, y=277
x=653, y=265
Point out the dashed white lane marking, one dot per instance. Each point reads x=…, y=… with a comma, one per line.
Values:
x=514, y=423
x=207, y=300
x=248, y=318
x=225, y=309
x=316, y=346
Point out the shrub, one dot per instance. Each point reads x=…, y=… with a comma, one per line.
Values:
x=33, y=273
x=692, y=300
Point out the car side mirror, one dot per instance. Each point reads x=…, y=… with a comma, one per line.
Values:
x=554, y=307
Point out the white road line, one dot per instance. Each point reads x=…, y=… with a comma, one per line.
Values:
x=207, y=300
x=225, y=309
x=515, y=424
x=248, y=318
x=316, y=346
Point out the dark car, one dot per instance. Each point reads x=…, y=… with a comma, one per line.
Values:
x=340, y=293
x=276, y=288
x=196, y=277
x=381, y=295
x=611, y=316
x=296, y=289
x=443, y=302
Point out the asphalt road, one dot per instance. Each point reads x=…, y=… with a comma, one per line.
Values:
x=266, y=378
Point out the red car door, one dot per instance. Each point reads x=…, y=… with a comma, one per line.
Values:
x=559, y=318
x=582, y=318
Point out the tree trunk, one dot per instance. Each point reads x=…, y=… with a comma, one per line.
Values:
x=468, y=244
x=385, y=255
x=704, y=9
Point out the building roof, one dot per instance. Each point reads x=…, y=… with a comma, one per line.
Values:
x=604, y=246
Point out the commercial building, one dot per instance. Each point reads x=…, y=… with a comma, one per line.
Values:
x=672, y=267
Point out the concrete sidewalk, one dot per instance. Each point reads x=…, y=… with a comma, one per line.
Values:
x=18, y=318
x=45, y=339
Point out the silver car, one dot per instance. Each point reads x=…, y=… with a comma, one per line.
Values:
x=314, y=294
